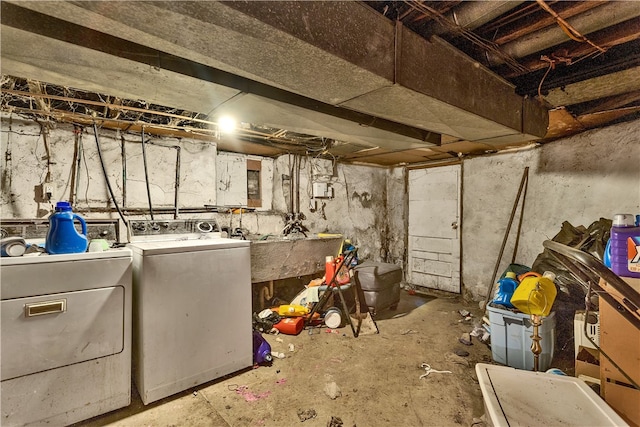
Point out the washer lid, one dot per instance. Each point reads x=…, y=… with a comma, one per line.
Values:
x=177, y=246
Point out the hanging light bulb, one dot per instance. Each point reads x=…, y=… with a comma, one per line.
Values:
x=226, y=124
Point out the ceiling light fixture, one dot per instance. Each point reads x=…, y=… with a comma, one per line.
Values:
x=226, y=124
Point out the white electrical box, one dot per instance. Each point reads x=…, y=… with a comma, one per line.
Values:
x=322, y=190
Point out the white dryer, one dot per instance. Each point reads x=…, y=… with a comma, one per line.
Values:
x=66, y=336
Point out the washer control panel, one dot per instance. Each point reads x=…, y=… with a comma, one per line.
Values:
x=172, y=226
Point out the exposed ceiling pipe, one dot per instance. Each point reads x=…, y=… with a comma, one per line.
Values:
x=471, y=15
x=595, y=88
x=510, y=27
x=615, y=35
x=588, y=22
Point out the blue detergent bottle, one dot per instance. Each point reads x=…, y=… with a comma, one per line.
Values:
x=505, y=289
x=62, y=237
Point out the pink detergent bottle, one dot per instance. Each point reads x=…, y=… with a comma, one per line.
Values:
x=625, y=246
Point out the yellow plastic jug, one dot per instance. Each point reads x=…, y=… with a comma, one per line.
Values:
x=535, y=295
x=292, y=310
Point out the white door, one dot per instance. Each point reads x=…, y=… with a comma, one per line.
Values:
x=434, y=228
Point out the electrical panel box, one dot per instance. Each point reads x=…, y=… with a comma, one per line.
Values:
x=322, y=190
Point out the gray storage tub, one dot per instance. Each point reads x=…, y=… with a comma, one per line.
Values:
x=380, y=283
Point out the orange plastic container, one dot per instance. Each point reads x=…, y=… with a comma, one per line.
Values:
x=290, y=325
x=329, y=268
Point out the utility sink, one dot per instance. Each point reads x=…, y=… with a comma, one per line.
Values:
x=281, y=257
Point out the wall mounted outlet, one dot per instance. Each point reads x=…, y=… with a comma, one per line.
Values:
x=47, y=190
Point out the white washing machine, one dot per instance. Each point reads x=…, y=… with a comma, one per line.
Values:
x=192, y=305
x=66, y=336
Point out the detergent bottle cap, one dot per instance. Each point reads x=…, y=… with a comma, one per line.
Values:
x=63, y=206
x=549, y=275
x=510, y=275
x=623, y=220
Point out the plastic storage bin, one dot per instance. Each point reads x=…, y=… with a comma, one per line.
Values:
x=380, y=283
x=511, y=339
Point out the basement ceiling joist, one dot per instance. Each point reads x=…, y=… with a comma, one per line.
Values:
x=378, y=78
x=337, y=70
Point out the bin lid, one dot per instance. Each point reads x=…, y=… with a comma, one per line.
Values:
x=515, y=397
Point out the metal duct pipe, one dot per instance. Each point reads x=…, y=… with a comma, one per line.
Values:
x=593, y=20
x=471, y=15
x=624, y=32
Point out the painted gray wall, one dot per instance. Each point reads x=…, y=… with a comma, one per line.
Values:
x=578, y=179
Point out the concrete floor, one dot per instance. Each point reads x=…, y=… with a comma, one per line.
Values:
x=378, y=377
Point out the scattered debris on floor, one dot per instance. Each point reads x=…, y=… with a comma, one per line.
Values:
x=466, y=315
x=250, y=396
x=335, y=422
x=307, y=414
x=480, y=333
x=454, y=358
x=332, y=390
x=461, y=353
x=465, y=339
x=429, y=370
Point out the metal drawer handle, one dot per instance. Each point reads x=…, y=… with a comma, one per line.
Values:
x=45, y=307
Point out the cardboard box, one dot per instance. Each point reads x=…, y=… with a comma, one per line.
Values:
x=634, y=283
x=588, y=364
x=624, y=400
x=620, y=339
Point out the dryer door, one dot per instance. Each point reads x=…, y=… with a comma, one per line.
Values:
x=50, y=331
